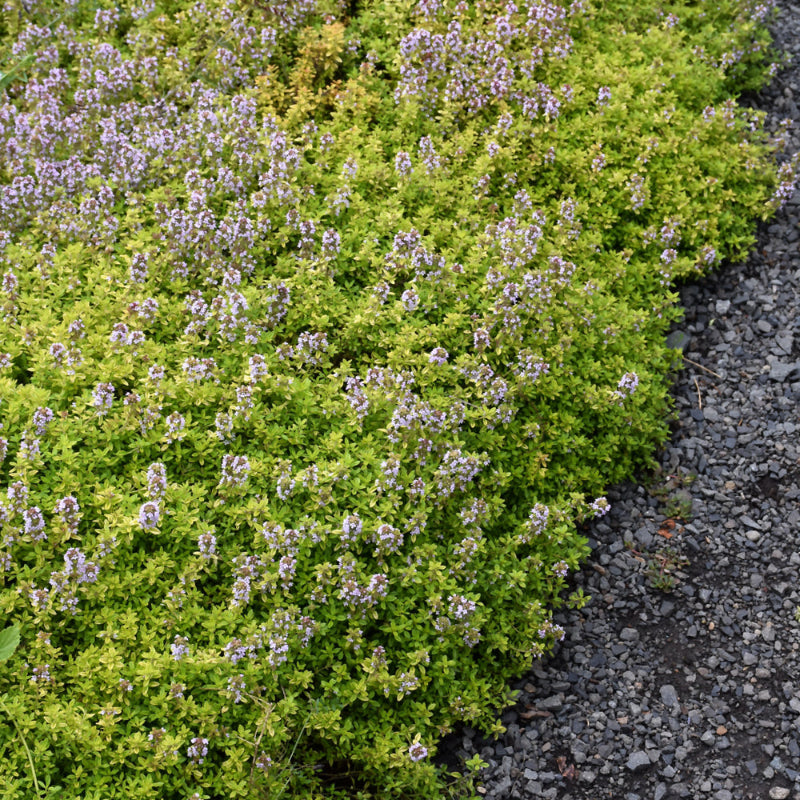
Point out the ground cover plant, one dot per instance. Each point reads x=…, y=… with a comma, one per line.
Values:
x=324, y=326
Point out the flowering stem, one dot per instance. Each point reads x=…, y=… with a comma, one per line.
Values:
x=291, y=756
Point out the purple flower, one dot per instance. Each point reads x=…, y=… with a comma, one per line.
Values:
x=69, y=511
x=135, y=338
x=427, y=152
x=198, y=370
x=149, y=515
x=236, y=650
x=460, y=607
x=560, y=569
x=76, y=329
x=198, y=749
x=410, y=299
x=457, y=471
x=350, y=168
x=351, y=527
x=787, y=184
x=438, y=356
x=359, y=401
x=29, y=446
x=223, y=424
x=57, y=352
x=258, y=368
x=39, y=598
x=536, y=523
x=381, y=292
x=668, y=256
x=417, y=752
x=41, y=674
x=309, y=346
x=637, y=189
x=175, y=426
x=34, y=523
x=331, y=242
x=603, y=95
x=416, y=489
x=528, y=368
x=138, y=269
x=599, y=162
x=286, y=483
x=708, y=254
x=156, y=481
x=119, y=334
x=627, y=385
x=10, y=283
x=207, y=545
x=146, y=310
x=179, y=648
x=106, y=19
x=77, y=567
x=387, y=540
x=307, y=230
x=237, y=687
x=264, y=762
x=481, y=339
x=103, y=397
x=600, y=506
x=340, y=201
x=286, y=569
x=278, y=650
x=377, y=587
x=156, y=735
x=42, y=417
x=244, y=401
x=155, y=374
x=473, y=513
x=481, y=185
x=235, y=471
x=402, y=164
x=17, y=493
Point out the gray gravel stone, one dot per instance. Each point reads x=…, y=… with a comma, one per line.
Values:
x=668, y=695
x=780, y=371
x=552, y=703
x=637, y=761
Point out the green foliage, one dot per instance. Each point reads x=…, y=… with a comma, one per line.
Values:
x=9, y=641
x=320, y=441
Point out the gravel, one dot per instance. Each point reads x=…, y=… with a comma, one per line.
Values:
x=692, y=692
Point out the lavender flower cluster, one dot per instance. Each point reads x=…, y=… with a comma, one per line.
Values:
x=484, y=64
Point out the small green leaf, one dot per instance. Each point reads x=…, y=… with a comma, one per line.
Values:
x=9, y=639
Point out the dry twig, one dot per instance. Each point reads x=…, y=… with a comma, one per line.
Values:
x=700, y=366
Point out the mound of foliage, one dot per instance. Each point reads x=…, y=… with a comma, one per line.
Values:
x=324, y=326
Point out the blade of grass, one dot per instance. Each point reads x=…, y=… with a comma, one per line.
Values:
x=25, y=745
